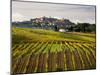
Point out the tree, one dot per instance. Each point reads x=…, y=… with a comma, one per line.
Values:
x=85, y=27
x=56, y=28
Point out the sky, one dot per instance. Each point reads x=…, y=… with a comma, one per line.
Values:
x=22, y=11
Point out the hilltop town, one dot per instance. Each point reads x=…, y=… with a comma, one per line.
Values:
x=56, y=24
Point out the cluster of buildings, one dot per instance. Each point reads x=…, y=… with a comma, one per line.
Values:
x=61, y=25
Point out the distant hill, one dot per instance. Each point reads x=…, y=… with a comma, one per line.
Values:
x=45, y=22
x=55, y=24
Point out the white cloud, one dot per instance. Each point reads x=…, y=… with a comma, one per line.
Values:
x=18, y=17
x=81, y=13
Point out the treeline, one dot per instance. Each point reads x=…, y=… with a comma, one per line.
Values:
x=83, y=27
x=79, y=27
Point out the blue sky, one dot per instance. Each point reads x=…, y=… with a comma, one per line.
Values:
x=76, y=13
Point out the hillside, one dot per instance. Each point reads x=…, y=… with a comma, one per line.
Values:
x=38, y=50
x=22, y=34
